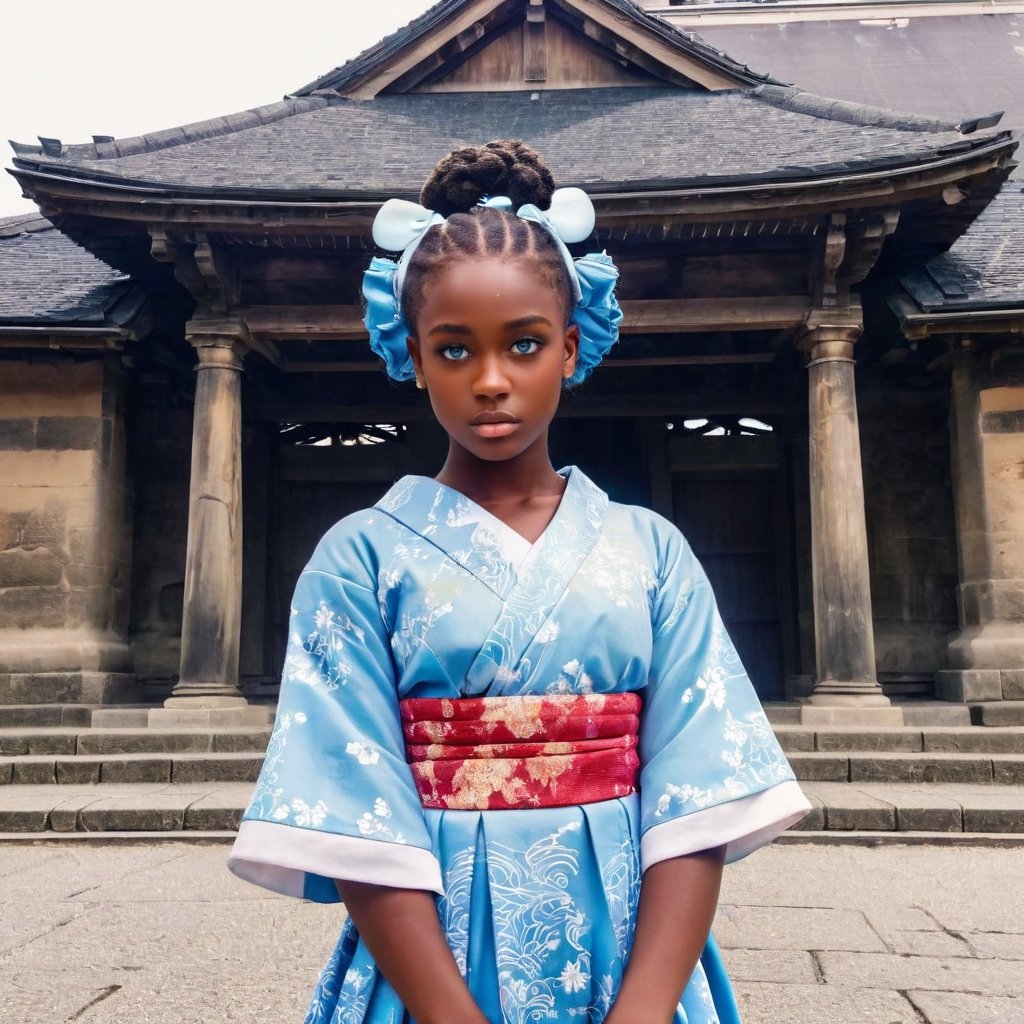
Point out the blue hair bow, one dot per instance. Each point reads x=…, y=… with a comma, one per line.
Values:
x=401, y=225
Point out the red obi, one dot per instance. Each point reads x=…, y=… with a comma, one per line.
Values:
x=500, y=753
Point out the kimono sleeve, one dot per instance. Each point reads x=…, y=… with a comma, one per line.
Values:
x=712, y=770
x=335, y=797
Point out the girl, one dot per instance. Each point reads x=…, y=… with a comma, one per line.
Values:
x=513, y=735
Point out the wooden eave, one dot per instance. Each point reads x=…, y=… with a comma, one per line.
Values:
x=59, y=191
x=917, y=324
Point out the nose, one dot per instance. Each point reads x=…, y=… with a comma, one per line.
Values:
x=491, y=379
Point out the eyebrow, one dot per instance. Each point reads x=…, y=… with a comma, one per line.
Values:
x=512, y=325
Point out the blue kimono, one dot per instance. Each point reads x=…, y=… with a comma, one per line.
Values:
x=429, y=595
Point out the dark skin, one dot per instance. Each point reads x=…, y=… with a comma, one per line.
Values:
x=492, y=344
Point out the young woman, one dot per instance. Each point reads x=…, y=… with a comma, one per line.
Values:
x=513, y=735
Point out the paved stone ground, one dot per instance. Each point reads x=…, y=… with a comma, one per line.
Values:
x=164, y=934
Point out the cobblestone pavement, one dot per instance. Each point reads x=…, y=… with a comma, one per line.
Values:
x=162, y=933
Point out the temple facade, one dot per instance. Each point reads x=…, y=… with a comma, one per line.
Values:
x=819, y=378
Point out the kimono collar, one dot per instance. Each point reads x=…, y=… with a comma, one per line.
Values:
x=481, y=543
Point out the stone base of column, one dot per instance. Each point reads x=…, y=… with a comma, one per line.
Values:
x=850, y=709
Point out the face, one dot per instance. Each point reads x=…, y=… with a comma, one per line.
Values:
x=493, y=349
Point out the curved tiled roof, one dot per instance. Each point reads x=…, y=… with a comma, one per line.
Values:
x=621, y=137
x=985, y=267
x=45, y=279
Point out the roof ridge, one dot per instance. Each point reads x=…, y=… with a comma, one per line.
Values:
x=105, y=148
x=796, y=99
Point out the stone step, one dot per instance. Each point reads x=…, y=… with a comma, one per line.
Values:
x=916, y=713
x=998, y=713
x=919, y=768
x=941, y=808
x=931, y=739
x=130, y=768
x=70, y=741
x=896, y=807
x=172, y=766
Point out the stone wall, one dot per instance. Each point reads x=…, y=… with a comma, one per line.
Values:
x=911, y=526
x=159, y=459
x=65, y=525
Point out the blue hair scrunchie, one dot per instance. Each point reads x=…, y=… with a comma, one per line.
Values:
x=596, y=312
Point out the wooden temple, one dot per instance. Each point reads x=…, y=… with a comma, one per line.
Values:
x=777, y=390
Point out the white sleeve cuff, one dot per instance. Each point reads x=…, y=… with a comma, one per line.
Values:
x=742, y=826
x=277, y=857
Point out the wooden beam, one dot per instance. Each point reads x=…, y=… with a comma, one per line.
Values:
x=640, y=316
x=535, y=57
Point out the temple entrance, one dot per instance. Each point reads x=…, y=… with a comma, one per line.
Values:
x=729, y=499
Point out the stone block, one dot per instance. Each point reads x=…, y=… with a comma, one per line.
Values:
x=964, y=685
x=160, y=812
x=794, y=928
x=33, y=607
x=967, y=1008
x=768, y=965
x=922, y=809
x=794, y=738
x=136, y=769
x=891, y=739
x=814, y=820
x=929, y=713
x=32, y=715
x=207, y=718
x=142, y=741
x=851, y=717
x=78, y=770
x=217, y=768
x=68, y=432
x=997, y=945
x=820, y=767
x=847, y=808
x=6, y=771
x=998, y=713
x=120, y=718
x=17, y=434
x=214, y=813
x=1000, y=810
x=890, y=971
x=34, y=772
x=1008, y=770
x=930, y=943
x=884, y=767
x=39, y=742
x=1012, y=683
x=993, y=740
x=782, y=1003
x=30, y=567
x=240, y=741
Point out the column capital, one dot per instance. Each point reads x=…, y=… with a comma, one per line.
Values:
x=831, y=333
x=219, y=343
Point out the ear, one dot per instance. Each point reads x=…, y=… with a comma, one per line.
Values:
x=413, y=345
x=572, y=348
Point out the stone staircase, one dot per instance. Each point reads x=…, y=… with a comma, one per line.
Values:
x=80, y=771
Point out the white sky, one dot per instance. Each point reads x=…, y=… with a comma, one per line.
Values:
x=71, y=69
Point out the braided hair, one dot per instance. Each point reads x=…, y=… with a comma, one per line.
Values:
x=457, y=184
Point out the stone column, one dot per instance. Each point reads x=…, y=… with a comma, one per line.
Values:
x=986, y=655
x=207, y=692
x=846, y=689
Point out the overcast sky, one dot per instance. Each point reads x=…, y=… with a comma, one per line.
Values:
x=71, y=69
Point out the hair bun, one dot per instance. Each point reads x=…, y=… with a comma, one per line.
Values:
x=500, y=168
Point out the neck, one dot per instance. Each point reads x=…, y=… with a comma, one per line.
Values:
x=525, y=476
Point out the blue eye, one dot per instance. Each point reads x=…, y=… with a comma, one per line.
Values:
x=456, y=353
x=526, y=346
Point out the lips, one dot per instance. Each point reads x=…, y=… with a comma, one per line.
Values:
x=494, y=424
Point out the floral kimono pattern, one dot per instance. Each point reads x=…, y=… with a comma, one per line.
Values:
x=427, y=595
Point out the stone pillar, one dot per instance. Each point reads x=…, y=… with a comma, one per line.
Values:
x=207, y=692
x=846, y=689
x=986, y=655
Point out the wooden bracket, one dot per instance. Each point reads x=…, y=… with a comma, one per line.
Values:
x=826, y=288
x=198, y=266
x=864, y=244
x=166, y=247
x=535, y=58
